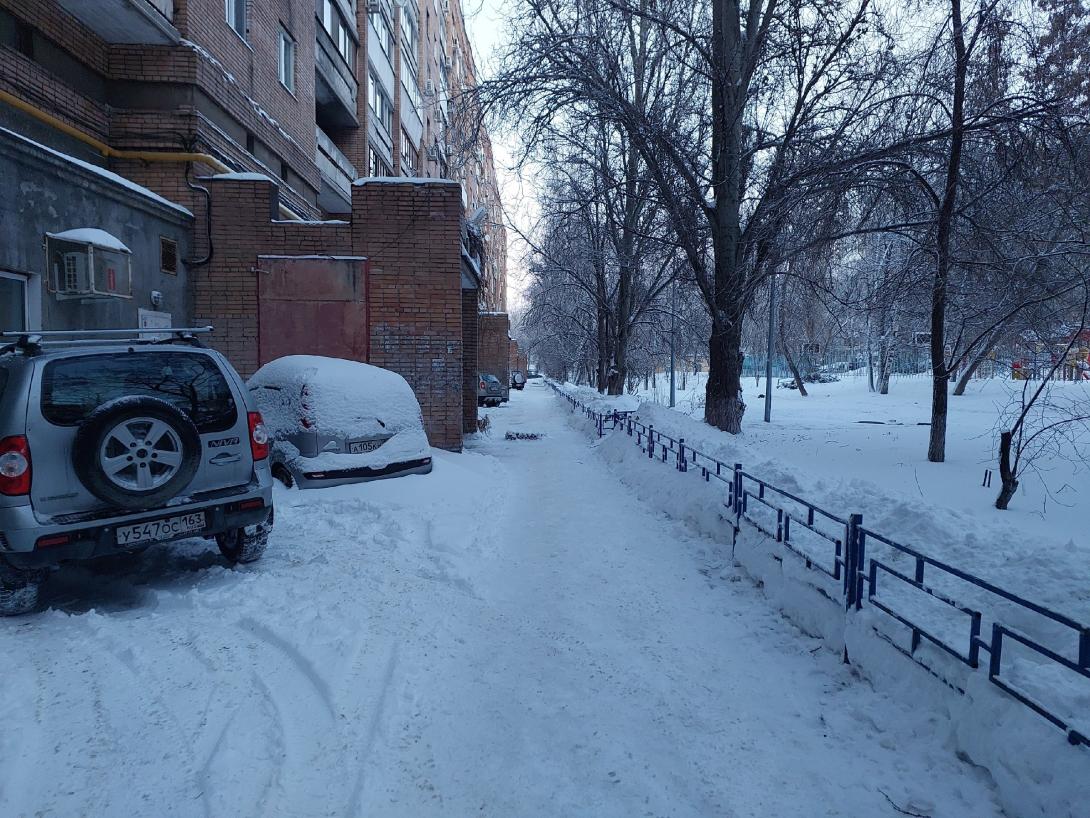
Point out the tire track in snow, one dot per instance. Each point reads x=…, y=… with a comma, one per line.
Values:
x=307, y=761
x=373, y=728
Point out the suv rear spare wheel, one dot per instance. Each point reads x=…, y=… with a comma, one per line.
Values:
x=136, y=452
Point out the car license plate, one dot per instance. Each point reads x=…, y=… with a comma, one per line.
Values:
x=154, y=530
x=364, y=446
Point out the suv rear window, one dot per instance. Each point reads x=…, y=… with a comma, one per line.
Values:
x=72, y=388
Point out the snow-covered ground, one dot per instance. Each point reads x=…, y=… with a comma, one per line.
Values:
x=1037, y=771
x=515, y=634
x=817, y=446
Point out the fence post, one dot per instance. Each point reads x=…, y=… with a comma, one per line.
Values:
x=1084, y=649
x=682, y=463
x=650, y=442
x=601, y=425
x=738, y=492
x=853, y=563
x=974, y=641
x=995, y=659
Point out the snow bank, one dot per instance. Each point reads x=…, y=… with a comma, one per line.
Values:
x=92, y=235
x=1036, y=771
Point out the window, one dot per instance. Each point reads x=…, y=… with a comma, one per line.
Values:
x=168, y=255
x=381, y=26
x=287, y=60
x=376, y=165
x=236, y=16
x=408, y=36
x=380, y=104
x=410, y=156
x=72, y=388
x=13, y=303
x=412, y=88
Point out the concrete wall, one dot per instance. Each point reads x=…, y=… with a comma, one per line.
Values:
x=41, y=193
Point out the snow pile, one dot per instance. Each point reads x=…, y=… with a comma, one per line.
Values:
x=988, y=725
x=345, y=399
x=92, y=235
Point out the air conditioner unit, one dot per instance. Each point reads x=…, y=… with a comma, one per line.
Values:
x=448, y=64
x=429, y=88
x=374, y=7
x=435, y=153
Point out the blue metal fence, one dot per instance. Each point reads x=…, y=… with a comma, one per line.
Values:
x=837, y=546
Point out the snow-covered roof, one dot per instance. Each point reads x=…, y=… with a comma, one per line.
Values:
x=240, y=176
x=105, y=174
x=92, y=235
x=342, y=397
x=402, y=180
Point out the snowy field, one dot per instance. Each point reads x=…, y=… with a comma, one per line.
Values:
x=515, y=634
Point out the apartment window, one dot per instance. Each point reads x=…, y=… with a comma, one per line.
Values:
x=376, y=165
x=168, y=255
x=412, y=87
x=381, y=26
x=287, y=60
x=410, y=156
x=381, y=107
x=236, y=16
x=409, y=36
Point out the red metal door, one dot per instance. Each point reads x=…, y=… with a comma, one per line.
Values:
x=312, y=306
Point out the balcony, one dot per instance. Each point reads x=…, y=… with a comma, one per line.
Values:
x=138, y=22
x=335, y=84
x=337, y=172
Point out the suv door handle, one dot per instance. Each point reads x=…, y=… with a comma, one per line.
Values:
x=224, y=458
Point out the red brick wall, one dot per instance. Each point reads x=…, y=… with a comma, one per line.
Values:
x=411, y=236
x=493, y=346
x=469, y=361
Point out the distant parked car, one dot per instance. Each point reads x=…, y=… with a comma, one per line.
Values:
x=518, y=380
x=533, y=374
x=334, y=421
x=489, y=390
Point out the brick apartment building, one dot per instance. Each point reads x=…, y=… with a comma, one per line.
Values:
x=217, y=145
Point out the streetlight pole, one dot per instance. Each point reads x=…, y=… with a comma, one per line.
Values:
x=771, y=347
x=673, y=333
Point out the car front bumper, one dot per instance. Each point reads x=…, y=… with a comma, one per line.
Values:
x=340, y=477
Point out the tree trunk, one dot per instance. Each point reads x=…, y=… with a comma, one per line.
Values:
x=603, y=350
x=618, y=374
x=940, y=376
x=885, y=365
x=1008, y=479
x=723, y=406
x=970, y=370
x=786, y=350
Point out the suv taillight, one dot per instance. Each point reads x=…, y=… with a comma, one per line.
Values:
x=483, y=385
x=14, y=466
x=259, y=436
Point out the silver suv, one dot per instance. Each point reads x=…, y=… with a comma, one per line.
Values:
x=109, y=444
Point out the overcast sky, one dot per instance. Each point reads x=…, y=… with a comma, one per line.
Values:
x=484, y=22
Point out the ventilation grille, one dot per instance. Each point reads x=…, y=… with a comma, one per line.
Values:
x=168, y=255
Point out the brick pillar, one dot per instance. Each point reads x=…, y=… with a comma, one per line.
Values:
x=493, y=346
x=411, y=235
x=469, y=361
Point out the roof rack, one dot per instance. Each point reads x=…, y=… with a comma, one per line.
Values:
x=33, y=340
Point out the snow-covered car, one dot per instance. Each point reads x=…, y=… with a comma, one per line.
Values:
x=334, y=421
x=518, y=380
